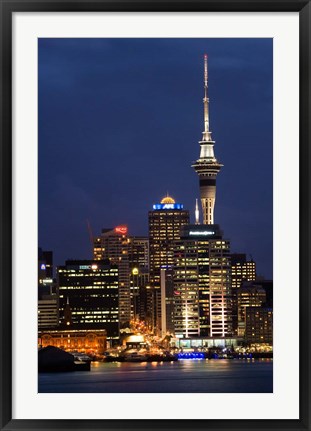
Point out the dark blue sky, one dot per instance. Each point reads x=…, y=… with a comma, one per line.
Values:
x=119, y=125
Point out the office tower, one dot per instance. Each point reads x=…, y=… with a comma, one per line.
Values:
x=207, y=166
x=113, y=244
x=241, y=270
x=248, y=295
x=259, y=325
x=90, y=289
x=165, y=221
x=202, y=285
x=167, y=301
x=48, y=315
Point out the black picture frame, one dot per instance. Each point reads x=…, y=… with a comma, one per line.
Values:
x=8, y=7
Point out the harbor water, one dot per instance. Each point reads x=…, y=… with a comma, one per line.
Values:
x=192, y=376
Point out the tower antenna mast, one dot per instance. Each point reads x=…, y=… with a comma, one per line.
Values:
x=207, y=167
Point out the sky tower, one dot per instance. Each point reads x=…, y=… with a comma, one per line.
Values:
x=207, y=166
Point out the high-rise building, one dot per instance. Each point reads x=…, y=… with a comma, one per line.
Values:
x=167, y=302
x=45, y=259
x=139, y=278
x=48, y=315
x=202, y=285
x=241, y=270
x=248, y=295
x=165, y=221
x=207, y=166
x=259, y=325
x=138, y=251
x=113, y=244
x=88, y=295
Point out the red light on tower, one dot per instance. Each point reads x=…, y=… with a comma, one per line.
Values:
x=121, y=230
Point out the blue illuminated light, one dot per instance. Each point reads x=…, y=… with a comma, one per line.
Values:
x=43, y=266
x=167, y=206
x=191, y=355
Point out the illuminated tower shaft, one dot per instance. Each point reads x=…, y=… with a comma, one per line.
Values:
x=207, y=166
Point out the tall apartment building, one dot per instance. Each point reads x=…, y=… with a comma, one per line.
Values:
x=165, y=221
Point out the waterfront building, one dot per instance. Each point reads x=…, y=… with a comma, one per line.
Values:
x=242, y=270
x=259, y=325
x=202, y=285
x=249, y=294
x=207, y=166
x=165, y=221
x=113, y=244
x=88, y=295
x=90, y=341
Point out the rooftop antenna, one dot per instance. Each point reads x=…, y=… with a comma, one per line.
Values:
x=206, y=133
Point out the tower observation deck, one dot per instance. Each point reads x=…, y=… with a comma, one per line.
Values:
x=207, y=166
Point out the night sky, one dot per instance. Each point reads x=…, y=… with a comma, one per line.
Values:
x=119, y=125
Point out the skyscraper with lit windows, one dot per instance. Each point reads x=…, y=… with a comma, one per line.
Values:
x=202, y=284
x=89, y=288
x=242, y=270
x=113, y=244
x=165, y=221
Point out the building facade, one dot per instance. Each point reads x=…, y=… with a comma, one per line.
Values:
x=202, y=284
x=242, y=270
x=90, y=289
x=113, y=244
x=139, y=279
x=259, y=325
x=90, y=341
x=48, y=303
x=248, y=295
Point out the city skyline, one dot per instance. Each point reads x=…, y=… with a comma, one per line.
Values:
x=106, y=106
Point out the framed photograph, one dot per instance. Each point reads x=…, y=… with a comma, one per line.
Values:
x=133, y=296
